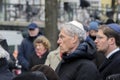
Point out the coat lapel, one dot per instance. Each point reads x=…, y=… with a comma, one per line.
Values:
x=104, y=64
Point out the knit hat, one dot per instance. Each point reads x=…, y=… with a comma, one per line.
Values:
x=93, y=25
x=115, y=27
x=32, y=26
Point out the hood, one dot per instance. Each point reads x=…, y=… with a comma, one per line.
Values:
x=85, y=50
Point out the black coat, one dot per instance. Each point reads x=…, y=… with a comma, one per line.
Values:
x=111, y=65
x=35, y=60
x=5, y=73
x=79, y=65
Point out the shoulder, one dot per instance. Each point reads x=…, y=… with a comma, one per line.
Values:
x=54, y=52
x=86, y=64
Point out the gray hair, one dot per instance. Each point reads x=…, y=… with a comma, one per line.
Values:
x=73, y=30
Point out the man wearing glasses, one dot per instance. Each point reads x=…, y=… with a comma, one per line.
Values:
x=108, y=42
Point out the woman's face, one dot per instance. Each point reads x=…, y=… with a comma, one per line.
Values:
x=40, y=49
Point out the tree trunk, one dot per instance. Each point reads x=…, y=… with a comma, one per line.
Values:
x=51, y=13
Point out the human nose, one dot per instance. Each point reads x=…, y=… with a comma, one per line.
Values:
x=37, y=47
x=96, y=40
x=58, y=41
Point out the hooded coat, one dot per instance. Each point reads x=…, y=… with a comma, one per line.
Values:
x=79, y=65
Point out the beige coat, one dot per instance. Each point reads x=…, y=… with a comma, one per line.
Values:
x=53, y=58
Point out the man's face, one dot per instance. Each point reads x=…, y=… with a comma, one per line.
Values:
x=33, y=32
x=102, y=42
x=65, y=42
x=92, y=34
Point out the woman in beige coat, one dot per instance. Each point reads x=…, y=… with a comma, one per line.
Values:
x=53, y=58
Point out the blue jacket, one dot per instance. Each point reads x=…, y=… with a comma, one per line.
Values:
x=26, y=49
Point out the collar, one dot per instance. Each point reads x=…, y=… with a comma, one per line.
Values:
x=113, y=52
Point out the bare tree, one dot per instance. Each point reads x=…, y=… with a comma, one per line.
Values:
x=51, y=14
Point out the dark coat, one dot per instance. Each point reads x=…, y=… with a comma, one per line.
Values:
x=99, y=57
x=111, y=65
x=5, y=73
x=35, y=60
x=26, y=49
x=79, y=65
x=4, y=44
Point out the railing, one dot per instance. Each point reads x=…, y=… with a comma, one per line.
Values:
x=16, y=12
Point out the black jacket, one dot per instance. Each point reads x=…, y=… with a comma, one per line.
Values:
x=35, y=60
x=5, y=73
x=79, y=65
x=111, y=65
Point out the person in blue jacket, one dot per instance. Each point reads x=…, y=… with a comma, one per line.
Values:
x=26, y=49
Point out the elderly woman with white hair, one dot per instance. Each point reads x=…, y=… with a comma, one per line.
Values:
x=5, y=73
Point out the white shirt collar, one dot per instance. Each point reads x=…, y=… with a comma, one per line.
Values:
x=111, y=53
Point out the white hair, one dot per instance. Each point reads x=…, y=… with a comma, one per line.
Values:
x=74, y=28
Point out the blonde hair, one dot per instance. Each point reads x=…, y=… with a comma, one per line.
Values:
x=44, y=41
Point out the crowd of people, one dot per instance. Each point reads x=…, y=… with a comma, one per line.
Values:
x=84, y=53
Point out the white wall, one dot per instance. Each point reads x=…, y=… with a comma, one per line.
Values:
x=12, y=37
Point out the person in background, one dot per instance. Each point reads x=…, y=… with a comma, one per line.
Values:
x=69, y=10
x=5, y=73
x=42, y=46
x=4, y=45
x=92, y=31
x=53, y=58
x=28, y=11
x=77, y=53
x=47, y=70
x=26, y=49
x=36, y=75
x=109, y=21
x=108, y=42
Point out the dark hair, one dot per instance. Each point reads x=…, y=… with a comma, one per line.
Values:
x=111, y=33
x=47, y=70
x=36, y=75
x=109, y=21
